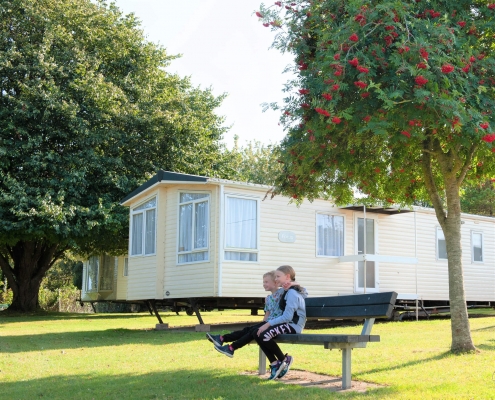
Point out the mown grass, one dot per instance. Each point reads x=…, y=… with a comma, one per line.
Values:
x=120, y=356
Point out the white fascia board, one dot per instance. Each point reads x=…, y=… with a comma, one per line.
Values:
x=379, y=258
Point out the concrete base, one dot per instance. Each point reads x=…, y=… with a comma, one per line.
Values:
x=161, y=327
x=202, y=328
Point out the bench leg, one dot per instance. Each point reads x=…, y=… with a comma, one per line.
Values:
x=262, y=363
x=346, y=368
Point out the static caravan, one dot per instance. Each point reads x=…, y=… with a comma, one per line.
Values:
x=207, y=242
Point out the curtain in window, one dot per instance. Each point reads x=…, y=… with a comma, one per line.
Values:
x=241, y=229
x=201, y=225
x=137, y=234
x=185, y=227
x=330, y=235
x=107, y=273
x=92, y=275
x=193, y=228
x=149, y=239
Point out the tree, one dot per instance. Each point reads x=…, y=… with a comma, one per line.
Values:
x=87, y=113
x=393, y=100
x=255, y=162
x=479, y=199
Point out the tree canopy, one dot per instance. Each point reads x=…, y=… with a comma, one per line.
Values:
x=87, y=113
x=392, y=103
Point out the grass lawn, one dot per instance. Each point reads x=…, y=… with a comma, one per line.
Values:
x=120, y=356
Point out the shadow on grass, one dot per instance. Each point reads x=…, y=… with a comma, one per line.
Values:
x=50, y=316
x=486, y=328
x=409, y=363
x=177, y=384
x=87, y=339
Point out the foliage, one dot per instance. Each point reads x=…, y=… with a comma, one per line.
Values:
x=378, y=85
x=392, y=103
x=108, y=356
x=255, y=162
x=63, y=299
x=87, y=113
x=479, y=199
x=65, y=273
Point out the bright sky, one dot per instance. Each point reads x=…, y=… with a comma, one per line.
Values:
x=223, y=46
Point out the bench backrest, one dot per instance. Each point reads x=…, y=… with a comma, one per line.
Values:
x=373, y=305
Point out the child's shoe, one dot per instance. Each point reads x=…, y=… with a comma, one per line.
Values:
x=288, y=360
x=225, y=350
x=215, y=339
x=276, y=369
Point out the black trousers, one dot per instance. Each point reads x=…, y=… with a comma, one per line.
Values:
x=243, y=337
x=266, y=343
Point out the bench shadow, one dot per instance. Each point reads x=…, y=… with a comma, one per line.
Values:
x=177, y=384
x=90, y=339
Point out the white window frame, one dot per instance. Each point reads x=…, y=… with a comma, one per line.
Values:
x=437, y=248
x=132, y=213
x=202, y=249
x=125, y=271
x=317, y=235
x=242, y=250
x=482, y=248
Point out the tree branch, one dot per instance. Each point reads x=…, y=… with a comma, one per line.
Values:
x=8, y=271
x=430, y=182
x=467, y=164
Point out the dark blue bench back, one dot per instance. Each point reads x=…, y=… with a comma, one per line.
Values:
x=373, y=305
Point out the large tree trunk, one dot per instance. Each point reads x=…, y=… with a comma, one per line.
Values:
x=461, y=333
x=453, y=171
x=24, y=265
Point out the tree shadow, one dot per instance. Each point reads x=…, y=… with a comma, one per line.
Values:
x=176, y=384
x=50, y=316
x=486, y=328
x=409, y=363
x=93, y=338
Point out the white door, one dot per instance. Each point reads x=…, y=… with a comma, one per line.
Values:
x=366, y=268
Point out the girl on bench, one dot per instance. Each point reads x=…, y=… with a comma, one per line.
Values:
x=292, y=321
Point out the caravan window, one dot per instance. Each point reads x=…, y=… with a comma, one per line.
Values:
x=107, y=272
x=193, y=227
x=92, y=274
x=329, y=235
x=143, y=229
x=441, y=246
x=241, y=229
x=477, y=246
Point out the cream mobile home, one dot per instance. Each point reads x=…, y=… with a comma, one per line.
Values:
x=207, y=242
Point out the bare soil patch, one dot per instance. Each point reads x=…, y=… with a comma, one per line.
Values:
x=327, y=382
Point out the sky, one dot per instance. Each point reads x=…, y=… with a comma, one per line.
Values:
x=225, y=47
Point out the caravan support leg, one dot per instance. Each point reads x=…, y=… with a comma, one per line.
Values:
x=147, y=302
x=195, y=307
x=153, y=305
x=93, y=306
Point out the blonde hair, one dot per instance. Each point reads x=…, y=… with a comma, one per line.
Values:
x=288, y=270
x=271, y=274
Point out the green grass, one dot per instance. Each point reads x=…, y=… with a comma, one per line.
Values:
x=120, y=356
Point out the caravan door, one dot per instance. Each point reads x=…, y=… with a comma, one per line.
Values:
x=370, y=233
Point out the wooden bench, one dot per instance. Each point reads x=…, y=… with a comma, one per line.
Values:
x=362, y=306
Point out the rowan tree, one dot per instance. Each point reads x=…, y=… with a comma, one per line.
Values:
x=392, y=101
x=87, y=113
